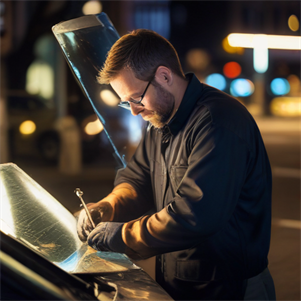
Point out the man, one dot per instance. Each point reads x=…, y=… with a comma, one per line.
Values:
x=202, y=165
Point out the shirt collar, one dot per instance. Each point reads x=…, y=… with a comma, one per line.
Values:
x=191, y=96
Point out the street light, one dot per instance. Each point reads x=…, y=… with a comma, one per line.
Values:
x=245, y=40
x=261, y=43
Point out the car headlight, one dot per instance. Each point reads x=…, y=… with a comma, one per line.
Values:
x=27, y=127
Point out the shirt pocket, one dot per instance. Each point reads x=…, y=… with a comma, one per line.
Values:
x=177, y=174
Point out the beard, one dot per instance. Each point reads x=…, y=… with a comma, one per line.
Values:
x=163, y=108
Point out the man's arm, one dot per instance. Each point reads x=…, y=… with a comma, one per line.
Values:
x=130, y=199
x=204, y=201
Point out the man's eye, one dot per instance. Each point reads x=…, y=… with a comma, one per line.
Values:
x=136, y=98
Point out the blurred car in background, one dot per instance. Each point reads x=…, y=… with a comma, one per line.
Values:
x=31, y=125
x=33, y=132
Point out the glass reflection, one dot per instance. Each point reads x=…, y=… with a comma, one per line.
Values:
x=85, y=42
x=33, y=216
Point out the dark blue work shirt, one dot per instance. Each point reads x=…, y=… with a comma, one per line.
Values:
x=208, y=175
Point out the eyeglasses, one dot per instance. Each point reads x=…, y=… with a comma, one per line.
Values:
x=126, y=104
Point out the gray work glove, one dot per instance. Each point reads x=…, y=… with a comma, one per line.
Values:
x=107, y=237
x=100, y=212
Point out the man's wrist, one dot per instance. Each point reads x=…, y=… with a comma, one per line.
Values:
x=107, y=236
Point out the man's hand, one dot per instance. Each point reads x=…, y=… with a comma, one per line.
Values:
x=100, y=212
x=107, y=237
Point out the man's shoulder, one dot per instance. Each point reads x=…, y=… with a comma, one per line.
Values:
x=223, y=108
x=220, y=110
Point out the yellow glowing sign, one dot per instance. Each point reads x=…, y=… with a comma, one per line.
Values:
x=271, y=41
x=27, y=127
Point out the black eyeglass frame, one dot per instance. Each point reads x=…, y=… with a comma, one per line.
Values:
x=126, y=104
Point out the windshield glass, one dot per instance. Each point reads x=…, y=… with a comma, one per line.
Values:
x=85, y=42
x=34, y=217
x=31, y=214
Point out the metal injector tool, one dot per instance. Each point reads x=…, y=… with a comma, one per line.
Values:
x=79, y=193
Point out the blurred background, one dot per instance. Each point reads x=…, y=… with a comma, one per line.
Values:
x=49, y=129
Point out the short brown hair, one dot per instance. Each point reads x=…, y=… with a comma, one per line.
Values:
x=142, y=51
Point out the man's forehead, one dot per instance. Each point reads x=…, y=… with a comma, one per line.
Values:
x=125, y=75
x=125, y=83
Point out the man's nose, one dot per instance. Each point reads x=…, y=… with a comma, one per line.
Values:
x=135, y=109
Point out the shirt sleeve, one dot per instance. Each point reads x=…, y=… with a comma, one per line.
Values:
x=204, y=201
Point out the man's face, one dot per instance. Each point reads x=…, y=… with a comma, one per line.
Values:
x=158, y=102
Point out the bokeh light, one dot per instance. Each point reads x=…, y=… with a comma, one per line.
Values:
x=92, y=7
x=293, y=23
x=260, y=53
x=230, y=49
x=295, y=87
x=280, y=86
x=216, y=80
x=248, y=40
x=197, y=59
x=241, y=87
x=286, y=106
x=109, y=98
x=92, y=125
x=40, y=79
x=232, y=69
x=134, y=125
x=27, y=127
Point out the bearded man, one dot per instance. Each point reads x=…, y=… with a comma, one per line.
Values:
x=203, y=168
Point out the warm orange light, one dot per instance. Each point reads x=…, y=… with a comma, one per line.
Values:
x=198, y=59
x=232, y=69
x=27, y=127
x=92, y=125
x=93, y=128
x=293, y=23
x=109, y=98
x=231, y=49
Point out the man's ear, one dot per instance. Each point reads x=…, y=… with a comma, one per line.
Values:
x=164, y=76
